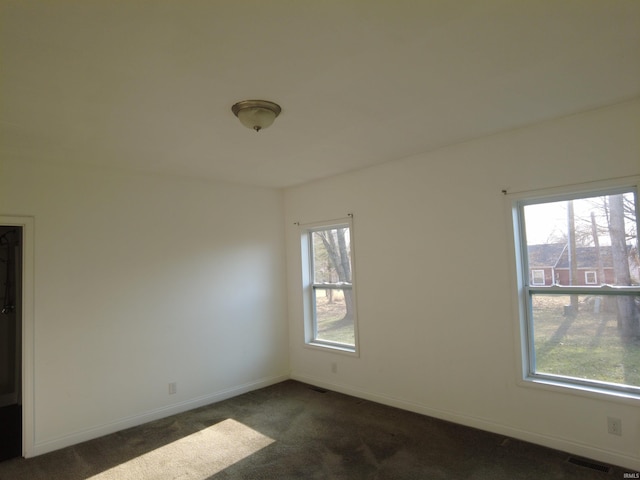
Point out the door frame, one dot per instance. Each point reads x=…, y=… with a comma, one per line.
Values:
x=28, y=327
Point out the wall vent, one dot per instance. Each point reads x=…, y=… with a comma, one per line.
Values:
x=581, y=462
x=318, y=389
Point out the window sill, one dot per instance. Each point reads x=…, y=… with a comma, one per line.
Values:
x=588, y=391
x=346, y=350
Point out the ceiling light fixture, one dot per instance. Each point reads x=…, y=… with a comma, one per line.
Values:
x=256, y=114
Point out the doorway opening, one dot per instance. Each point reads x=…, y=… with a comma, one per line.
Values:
x=11, y=241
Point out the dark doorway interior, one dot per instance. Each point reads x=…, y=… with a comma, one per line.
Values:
x=10, y=342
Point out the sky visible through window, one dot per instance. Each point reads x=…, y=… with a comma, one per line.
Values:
x=548, y=222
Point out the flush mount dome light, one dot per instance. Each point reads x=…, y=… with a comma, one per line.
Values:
x=256, y=114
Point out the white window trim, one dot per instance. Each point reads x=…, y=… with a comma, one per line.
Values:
x=518, y=261
x=586, y=277
x=308, y=291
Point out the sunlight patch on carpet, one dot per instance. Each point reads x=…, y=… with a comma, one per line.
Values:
x=195, y=457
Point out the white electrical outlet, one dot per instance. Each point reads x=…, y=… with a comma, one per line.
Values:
x=173, y=388
x=614, y=426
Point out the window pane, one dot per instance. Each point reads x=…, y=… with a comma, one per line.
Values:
x=334, y=315
x=590, y=341
x=586, y=241
x=331, y=255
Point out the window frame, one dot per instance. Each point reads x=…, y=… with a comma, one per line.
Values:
x=310, y=287
x=525, y=290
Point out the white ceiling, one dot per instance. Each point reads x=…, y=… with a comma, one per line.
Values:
x=149, y=85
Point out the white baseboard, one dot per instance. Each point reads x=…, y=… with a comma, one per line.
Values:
x=74, y=438
x=562, y=444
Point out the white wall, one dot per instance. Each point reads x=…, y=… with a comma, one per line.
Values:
x=438, y=334
x=144, y=280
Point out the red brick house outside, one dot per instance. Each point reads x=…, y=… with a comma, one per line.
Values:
x=549, y=265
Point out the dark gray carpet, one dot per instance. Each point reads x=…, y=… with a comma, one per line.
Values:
x=294, y=431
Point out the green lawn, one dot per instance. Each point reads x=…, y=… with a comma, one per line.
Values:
x=587, y=345
x=332, y=324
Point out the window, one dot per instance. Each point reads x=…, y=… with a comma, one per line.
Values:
x=537, y=277
x=583, y=330
x=330, y=297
